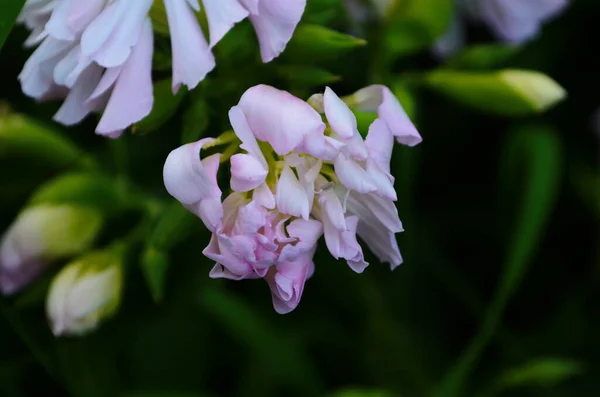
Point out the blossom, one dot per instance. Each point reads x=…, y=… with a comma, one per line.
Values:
x=97, y=55
x=84, y=292
x=41, y=235
x=511, y=21
x=294, y=179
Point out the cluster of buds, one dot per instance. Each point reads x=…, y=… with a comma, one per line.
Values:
x=97, y=54
x=295, y=178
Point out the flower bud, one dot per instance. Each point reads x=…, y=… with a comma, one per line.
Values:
x=85, y=292
x=40, y=235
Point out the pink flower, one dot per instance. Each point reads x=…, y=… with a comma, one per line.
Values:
x=97, y=55
x=296, y=178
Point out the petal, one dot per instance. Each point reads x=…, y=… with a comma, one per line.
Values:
x=376, y=211
x=331, y=206
x=340, y=117
x=192, y=59
x=247, y=173
x=82, y=13
x=383, y=181
x=242, y=130
x=210, y=210
x=287, y=283
x=380, y=143
x=279, y=118
x=251, y=5
x=264, y=196
x=132, y=98
x=222, y=15
x=184, y=175
x=291, y=196
x=110, y=39
x=275, y=23
x=352, y=175
x=379, y=98
x=75, y=108
x=57, y=25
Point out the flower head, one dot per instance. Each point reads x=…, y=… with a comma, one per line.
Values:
x=97, y=55
x=295, y=178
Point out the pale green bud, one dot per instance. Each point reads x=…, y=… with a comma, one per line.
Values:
x=85, y=292
x=42, y=234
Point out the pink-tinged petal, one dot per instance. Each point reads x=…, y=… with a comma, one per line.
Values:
x=247, y=172
x=380, y=143
x=376, y=211
x=229, y=265
x=109, y=78
x=307, y=232
x=242, y=130
x=379, y=98
x=356, y=262
x=192, y=59
x=340, y=117
x=231, y=206
x=331, y=207
x=264, y=196
x=110, y=39
x=382, y=243
x=57, y=25
x=250, y=218
x=74, y=108
x=291, y=195
x=275, y=23
x=67, y=64
x=352, y=175
x=210, y=210
x=222, y=15
x=82, y=13
x=287, y=283
x=251, y=5
x=383, y=181
x=37, y=76
x=184, y=175
x=132, y=98
x=343, y=244
x=279, y=118
x=356, y=148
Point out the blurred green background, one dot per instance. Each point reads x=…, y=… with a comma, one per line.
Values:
x=499, y=292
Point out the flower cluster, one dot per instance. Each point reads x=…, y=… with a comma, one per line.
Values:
x=297, y=178
x=97, y=54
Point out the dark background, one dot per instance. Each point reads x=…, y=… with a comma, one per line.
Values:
x=462, y=201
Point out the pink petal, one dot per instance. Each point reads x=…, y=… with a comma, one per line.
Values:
x=279, y=118
x=184, y=175
x=339, y=116
x=275, y=23
x=379, y=98
x=74, y=108
x=380, y=143
x=247, y=172
x=331, y=207
x=291, y=196
x=110, y=39
x=222, y=15
x=264, y=196
x=131, y=99
x=192, y=59
x=352, y=175
x=242, y=129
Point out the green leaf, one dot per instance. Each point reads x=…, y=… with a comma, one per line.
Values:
x=507, y=92
x=165, y=106
x=415, y=25
x=533, y=157
x=317, y=43
x=9, y=11
x=23, y=138
x=82, y=188
x=173, y=225
x=483, y=56
x=306, y=76
x=540, y=372
x=195, y=120
x=154, y=267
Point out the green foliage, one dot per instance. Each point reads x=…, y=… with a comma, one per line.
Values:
x=317, y=44
x=414, y=25
x=165, y=106
x=483, y=56
x=508, y=92
x=9, y=11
